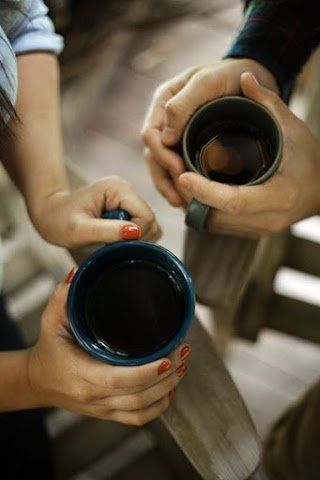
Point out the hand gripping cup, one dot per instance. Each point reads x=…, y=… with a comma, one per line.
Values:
x=230, y=140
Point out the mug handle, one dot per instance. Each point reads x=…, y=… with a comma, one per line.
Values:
x=116, y=215
x=196, y=215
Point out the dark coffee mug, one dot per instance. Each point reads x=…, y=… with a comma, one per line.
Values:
x=130, y=302
x=231, y=140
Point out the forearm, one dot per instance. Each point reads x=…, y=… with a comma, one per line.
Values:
x=34, y=155
x=15, y=391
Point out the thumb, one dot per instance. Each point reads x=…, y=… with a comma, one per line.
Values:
x=54, y=314
x=252, y=89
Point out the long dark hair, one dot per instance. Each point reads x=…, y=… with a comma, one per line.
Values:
x=8, y=115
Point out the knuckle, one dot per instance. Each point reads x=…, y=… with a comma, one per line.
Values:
x=205, y=79
x=113, y=180
x=145, y=135
x=82, y=394
x=139, y=419
x=161, y=90
x=138, y=401
x=173, y=108
x=73, y=224
x=273, y=98
x=149, y=219
x=233, y=205
x=114, y=382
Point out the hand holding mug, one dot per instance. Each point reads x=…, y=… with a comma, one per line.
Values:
x=173, y=104
x=63, y=375
x=291, y=194
x=73, y=219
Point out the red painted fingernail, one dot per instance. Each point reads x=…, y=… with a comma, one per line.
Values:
x=181, y=370
x=130, y=232
x=70, y=275
x=172, y=394
x=185, y=352
x=164, y=367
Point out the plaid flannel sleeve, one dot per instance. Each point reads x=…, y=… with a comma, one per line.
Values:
x=280, y=35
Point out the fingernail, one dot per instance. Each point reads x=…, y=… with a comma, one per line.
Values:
x=185, y=352
x=70, y=276
x=168, y=134
x=172, y=394
x=130, y=232
x=164, y=367
x=181, y=370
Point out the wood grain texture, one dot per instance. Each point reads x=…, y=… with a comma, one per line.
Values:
x=208, y=418
x=219, y=265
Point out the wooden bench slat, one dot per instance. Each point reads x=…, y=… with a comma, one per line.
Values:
x=303, y=254
x=208, y=419
x=293, y=317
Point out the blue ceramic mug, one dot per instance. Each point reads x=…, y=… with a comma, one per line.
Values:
x=130, y=302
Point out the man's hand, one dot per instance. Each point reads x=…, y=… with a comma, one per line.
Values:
x=173, y=104
x=291, y=194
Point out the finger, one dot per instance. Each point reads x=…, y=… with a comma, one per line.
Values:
x=167, y=158
x=252, y=89
x=162, y=181
x=202, y=87
x=95, y=230
x=145, y=398
x=153, y=234
x=155, y=115
x=236, y=200
x=120, y=194
x=54, y=314
x=146, y=375
x=140, y=417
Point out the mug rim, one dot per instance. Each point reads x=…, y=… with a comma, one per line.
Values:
x=232, y=99
x=104, y=355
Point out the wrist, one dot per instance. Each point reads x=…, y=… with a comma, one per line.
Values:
x=33, y=380
x=40, y=210
x=17, y=393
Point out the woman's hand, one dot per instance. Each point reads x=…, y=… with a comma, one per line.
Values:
x=73, y=219
x=291, y=194
x=173, y=104
x=63, y=375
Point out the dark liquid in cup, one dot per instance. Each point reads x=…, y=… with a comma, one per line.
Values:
x=233, y=155
x=134, y=308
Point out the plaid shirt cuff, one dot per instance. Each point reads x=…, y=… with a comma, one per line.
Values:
x=279, y=35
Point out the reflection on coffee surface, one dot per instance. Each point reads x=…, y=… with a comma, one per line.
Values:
x=233, y=155
x=134, y=307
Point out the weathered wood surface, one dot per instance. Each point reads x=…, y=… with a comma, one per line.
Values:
x=208, y=418
x=220, y=266
x=303, y=255
x=293, y=316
